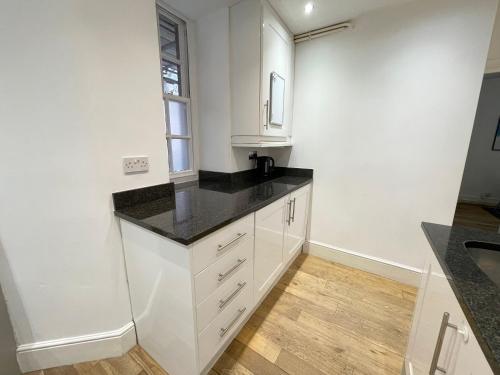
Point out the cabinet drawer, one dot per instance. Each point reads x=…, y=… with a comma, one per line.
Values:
x=223, y=297
x=213, y=247
x=220, y=330
x=224, y=270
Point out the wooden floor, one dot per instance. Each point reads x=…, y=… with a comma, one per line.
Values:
x=475, y=216
x=135, y=362
x=321, y=319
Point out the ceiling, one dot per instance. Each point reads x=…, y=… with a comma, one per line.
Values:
x=194, y=9
x=325, y=12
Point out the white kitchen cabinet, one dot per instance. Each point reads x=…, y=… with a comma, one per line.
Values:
x=261, y=58
x=189, y=301
x=296, y=222
x=460, y=353
x=279, y=235
x=470, y=359
x=269, y=237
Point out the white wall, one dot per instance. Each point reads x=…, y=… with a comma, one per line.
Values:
x=383, y=113
x=481, y=180
x=212, y=60
x=214, y=91
x=80, y=88
x=493, y=63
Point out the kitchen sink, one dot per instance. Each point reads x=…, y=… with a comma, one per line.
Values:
x=487, y=257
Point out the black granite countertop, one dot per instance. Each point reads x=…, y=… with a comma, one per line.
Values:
x=478, y=296
x=188, y=212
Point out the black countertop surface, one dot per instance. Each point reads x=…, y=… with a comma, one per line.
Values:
x=478, y=296
x=188, y=212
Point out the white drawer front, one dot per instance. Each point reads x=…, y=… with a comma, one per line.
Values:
x=224, y=270
x=213, y=247
x=220, y=330
x=223, y=297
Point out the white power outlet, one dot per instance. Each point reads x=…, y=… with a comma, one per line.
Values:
x=135, y=164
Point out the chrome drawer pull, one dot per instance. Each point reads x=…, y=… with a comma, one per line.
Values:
x=289, y=219
x=223, y=331
x=224, y=302
x=238, y=236
x=293, y=212
x=439, y=343
x=224, y=275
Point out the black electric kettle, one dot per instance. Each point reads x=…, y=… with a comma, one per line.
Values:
x=265, y=166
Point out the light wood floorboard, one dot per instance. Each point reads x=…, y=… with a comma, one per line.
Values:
x=475, y=216
x=322, y=318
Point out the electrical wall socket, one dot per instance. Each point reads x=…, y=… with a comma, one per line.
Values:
x=135, y=164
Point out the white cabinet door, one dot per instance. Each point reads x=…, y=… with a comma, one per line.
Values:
x=438, y=300
x=455, y=351
x=470, y=359
x=268, y=258
x=277, y=57
x=296, y=221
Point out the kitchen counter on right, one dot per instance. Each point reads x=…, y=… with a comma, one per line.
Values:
x=477, y=294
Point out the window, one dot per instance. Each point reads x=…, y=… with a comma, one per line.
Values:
x=175, y=84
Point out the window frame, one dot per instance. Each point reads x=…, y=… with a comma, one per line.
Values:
x=184, y=85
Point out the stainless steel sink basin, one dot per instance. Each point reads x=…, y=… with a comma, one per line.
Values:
x=487, y=257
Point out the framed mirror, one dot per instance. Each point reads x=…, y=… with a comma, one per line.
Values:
x=277, y=100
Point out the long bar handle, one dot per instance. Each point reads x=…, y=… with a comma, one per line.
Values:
x=224, y=302
x=238, y=236
x=289, y=219
x=224, y=275
x=439, y=343
x=266, y=124
x=223, y=331
x=293, y=213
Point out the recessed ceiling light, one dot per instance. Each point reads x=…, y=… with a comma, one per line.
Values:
x=309, y=8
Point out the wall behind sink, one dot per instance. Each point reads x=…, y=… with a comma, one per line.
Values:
x=80, y=88
x=384, y=113
x=481, y=181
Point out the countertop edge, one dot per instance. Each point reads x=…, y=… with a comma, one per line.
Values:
x=469, y=315
x=192, y=240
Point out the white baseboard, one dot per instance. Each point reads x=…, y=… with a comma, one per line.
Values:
x=66, y=351
x=386, y=268
x=473, y=199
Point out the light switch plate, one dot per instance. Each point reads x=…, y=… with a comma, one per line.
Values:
x=135, y=164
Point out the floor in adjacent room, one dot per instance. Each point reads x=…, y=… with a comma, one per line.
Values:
x=475, y=216
x=322, y=318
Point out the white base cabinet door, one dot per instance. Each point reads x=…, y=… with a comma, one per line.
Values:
x=269, y=233
x=296, y=221
x=442, y=340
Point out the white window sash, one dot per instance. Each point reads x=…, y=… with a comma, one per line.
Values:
x=183, y=63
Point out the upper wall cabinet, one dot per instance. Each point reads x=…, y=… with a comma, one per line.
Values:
x=261, y=61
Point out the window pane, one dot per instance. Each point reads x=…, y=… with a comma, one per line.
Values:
x=171, y=75
x=169, y=38
x=177, y=114
x=179, y=154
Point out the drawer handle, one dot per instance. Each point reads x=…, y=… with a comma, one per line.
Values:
x=224, y=275
x=224, y=302
x=238, y=237
x=439, y=343
x=293, y=212
x=223, y=331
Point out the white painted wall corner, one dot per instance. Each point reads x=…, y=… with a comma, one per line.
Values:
x=61, y=352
